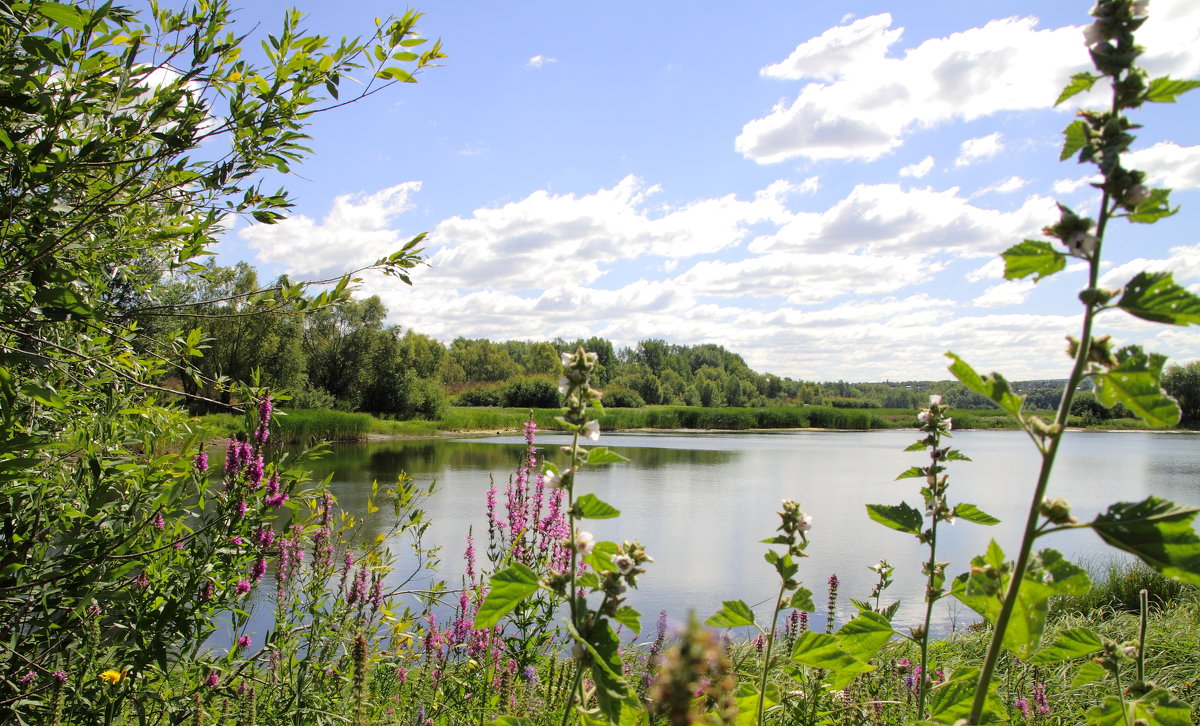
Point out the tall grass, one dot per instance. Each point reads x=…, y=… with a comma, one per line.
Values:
x=308, y=424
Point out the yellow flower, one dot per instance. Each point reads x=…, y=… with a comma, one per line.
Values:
x=113, y=677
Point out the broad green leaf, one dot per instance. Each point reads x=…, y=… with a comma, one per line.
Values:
x=863, y=636
x=63, y=300
x=1074, y=139
x=600, y=559
x=994, y=387
x=633, y=713
x=1154, y=296
x=1154, y=208
x=972, y=513
x=951, y=700
x=1165, y=90
x=1032, y=257
x=1155, y=708
x=1157, y=531
x=611, y=688
x=601, y=455
x=505, y=589
x=44, y=395
x=820, y=650
x=746, y=696
x=1089, y=672
x=956, y=455
x=1134, y=381
x=912, y=472
x=802, y=600
x=590, y=507
x=1070, y=643
x=733, y=614
x=1080, y=82
x=901, y=517
x=68, y=15
x=630, y=618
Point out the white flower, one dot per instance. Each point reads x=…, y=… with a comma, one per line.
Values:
x=591, y=429
x=1094, y=33
x=568, y=359
x=935, y=400
x=1137, y=194
x=924, y=417
x=551, y=479
x=805, y=523
x=948, y=424
x=623, y=563
x=563, y=385
x=584, y=542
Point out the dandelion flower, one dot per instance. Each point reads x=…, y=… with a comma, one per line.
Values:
x=113, y=677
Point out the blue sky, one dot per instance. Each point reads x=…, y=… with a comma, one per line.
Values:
x=821, y=187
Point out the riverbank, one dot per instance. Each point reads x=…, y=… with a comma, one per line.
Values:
x=297, y=425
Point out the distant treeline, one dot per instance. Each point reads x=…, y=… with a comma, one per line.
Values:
x=346, y=358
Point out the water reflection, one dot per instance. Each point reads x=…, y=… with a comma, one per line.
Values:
x=701, y=503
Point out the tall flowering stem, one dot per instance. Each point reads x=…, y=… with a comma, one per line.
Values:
x=1127, y=375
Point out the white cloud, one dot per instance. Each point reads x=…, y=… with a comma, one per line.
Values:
x=1184, y=262
x=1004, y=186
x=1171, y=36
x=356, y=232
x=538, y=61
x=1168, y=164
x=993, y=269
x=1010, y=292
x=1069, y=186
x=979, y=149
x=919, y=169
x=865, y=102
x=887, y=219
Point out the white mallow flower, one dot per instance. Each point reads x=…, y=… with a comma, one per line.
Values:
x=551, y=479
x=924, y=417
x=948, y=424
x=591, y=429
x=935, y=400
x=805, y=523
x=1137, y=194
x=568, y=359
x=1093, y=34
x=584, y=542
x=623, y=563
x=563, y=385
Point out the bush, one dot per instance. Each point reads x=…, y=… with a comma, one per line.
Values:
x=622, y=398
x=530, y=392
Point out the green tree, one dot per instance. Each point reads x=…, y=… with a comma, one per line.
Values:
x=1182, y=382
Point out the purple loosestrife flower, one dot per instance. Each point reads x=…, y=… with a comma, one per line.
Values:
x=254, y=472
x=265, y=536
x=213, y=680
x=469, y=555
x=263, y=432
x=231, y=458
x=28, y=678
x=200, y=460
x=242, y=587
x=272, y=497
x=244, y=641
x=1039, y=698
x=376, y=591
x=259, y=569
x=494, y=524
x=1022, y=706
x=60, y=675
x=159, y=522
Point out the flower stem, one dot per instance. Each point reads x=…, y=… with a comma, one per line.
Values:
x=762, y=686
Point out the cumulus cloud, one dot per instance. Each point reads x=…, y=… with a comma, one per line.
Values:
x=1010, y=292
x=1184, y=263
x=979, y=148
x=919, y=169
x=1167, y=164
x=1004, y=186
x=538, y=61
x=357, y=231
x=864, y=94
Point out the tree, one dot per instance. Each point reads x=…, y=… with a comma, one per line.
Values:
x=1182, y=382
x=125, y=141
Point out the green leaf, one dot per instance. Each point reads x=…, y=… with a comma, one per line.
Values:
x=972, y=513
x=601, y=455
x=901, y=517
x=1089, y=672
x=1153, y=208
x=951, y=700
x=1080, y=82
x=733, y=614
x=1157, y=531
x=1155, y=708
x=863, y=636
x=590, y=507
x=1134, y=381
x=912, y=472
x=70, y=16
x=44, y=395
x=1165, y=90
x=1074, y=139
x=820, y=650
x=63, y=300
x=511, y=721
x=506, y=589
x=994, y=387
x=611, y=689
x=1070, y=643
x=1032, y=257
x=630, y=618
x=600, y=559
x=396, y=73
x=802, y=600
x=1154, y=296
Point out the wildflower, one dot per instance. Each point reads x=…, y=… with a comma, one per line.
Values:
x=1022, y=706
x=948, y=424
x=1094, y=34
x=1137, y=194
x=242, y=587
x=112, y=677
x=212, y=680
x=244, y=641
x=1082, y=244
x=591, y=429
x=584, y=542
x=935, y=400
x=236, y=540
x=623, y=563
x=924, y=417
x=805, y=523
x=158, y=522
x=259, y=569
x=28, y=678
x=200, y=461
x=564, y=385
x=59, y=675
x=552, y=479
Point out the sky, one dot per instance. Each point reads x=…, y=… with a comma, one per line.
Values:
x=823, y=188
